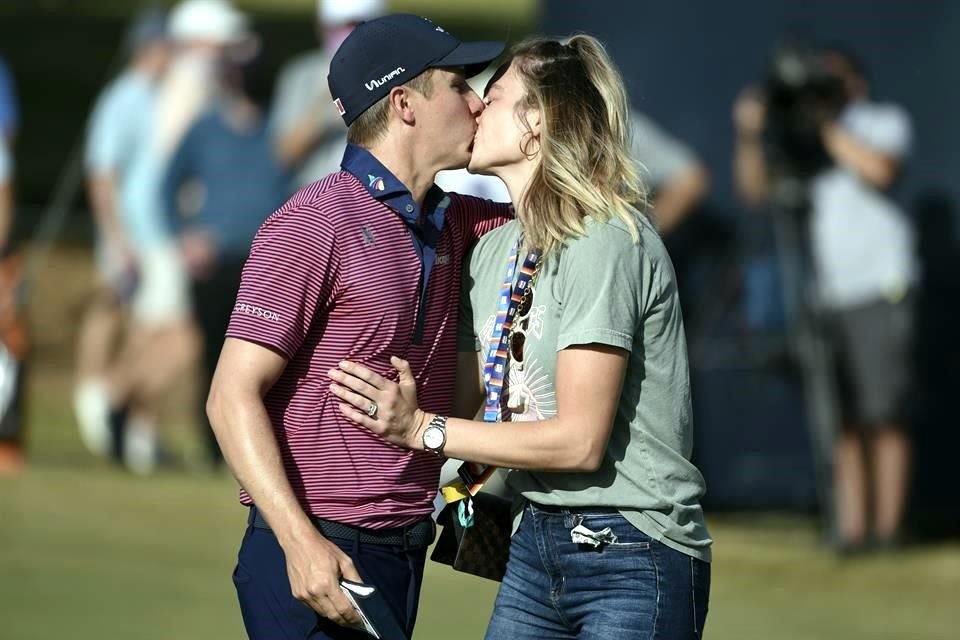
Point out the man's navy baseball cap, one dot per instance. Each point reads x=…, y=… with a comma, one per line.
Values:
x=386, y=52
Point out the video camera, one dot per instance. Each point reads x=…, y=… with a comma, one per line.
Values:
x=801, y=94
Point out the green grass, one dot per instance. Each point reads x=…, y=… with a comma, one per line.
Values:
x=89, y=553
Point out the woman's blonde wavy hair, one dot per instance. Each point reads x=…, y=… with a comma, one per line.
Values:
x=584, y=167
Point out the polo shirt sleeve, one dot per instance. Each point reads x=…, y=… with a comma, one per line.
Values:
x=599, y=288
x=480, y=216
x=289, y=278
x=467, y=339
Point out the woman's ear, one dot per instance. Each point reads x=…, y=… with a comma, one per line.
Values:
x=533, y=119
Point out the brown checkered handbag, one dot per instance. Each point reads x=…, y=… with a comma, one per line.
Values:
x=482, y=548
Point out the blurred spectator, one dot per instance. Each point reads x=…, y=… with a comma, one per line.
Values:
x=9, y=111
x=13, y=342
x=222, y=183
x=672, y=172
x=204, y=32
x=164, y=343
x=862, y=249
x=309, y=133
x=118, y=135
x=6, y=194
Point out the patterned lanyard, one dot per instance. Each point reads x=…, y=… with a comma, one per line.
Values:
x=494, y=370
x=510, y=297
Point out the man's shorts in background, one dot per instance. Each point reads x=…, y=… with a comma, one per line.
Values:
x=161, y=297
x=872, y=344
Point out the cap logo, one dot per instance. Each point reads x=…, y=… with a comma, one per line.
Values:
x=339, y=106
x=373, y=84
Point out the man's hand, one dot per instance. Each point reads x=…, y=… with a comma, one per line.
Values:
x=199, y=253
x=750, y=113
x=315, y=566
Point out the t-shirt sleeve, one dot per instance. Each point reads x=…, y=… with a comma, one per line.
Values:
x=289, y=278
x=105, y=136
x=600, y=286
x=661, y=156
x=888, y=131
x=467, y=339
x=6, y=164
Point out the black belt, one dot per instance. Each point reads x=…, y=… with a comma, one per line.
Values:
x=414, y=536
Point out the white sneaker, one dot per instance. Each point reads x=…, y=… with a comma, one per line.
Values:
x=91, y=407
x=140, y=447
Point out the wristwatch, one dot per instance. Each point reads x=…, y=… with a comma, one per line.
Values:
x=435, y=435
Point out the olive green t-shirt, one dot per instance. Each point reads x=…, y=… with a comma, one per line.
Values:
x=603, y=288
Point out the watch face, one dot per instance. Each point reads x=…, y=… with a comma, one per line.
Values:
x=433, y=437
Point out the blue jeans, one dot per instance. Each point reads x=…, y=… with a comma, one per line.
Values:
x=629, y=589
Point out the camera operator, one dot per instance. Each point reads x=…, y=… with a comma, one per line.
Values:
x=861, y=246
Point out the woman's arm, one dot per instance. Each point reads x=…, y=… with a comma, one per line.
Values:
x=589, y=379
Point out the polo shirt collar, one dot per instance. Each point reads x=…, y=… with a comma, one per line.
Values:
x=384, y=187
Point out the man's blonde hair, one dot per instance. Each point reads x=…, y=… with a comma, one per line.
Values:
x=371, y=125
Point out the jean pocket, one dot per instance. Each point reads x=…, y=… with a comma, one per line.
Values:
x=626, y=537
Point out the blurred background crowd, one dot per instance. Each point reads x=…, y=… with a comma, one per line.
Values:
x=804, y=163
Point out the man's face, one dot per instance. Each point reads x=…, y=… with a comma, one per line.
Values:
x=448, y=119
x=501, y=133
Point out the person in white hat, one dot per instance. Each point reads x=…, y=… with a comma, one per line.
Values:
x=203, y=31
x=309, y=136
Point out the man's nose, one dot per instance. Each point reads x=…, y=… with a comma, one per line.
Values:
x=476, y=104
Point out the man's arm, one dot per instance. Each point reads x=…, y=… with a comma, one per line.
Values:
x=294, y=143
x=877, y=168
x=677, y=198
x=296, y=127
x=102, y=190
x=245, y=373
x=749, y=162
x=6, y=214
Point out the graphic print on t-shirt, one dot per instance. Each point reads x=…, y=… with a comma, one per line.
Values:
x=528, y=394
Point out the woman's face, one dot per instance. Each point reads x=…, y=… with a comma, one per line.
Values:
x=501, y=134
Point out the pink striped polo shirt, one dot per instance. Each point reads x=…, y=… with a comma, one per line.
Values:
x=335, y=274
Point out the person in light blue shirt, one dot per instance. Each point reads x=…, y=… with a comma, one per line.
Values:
x=119, y=162
x=222, y=182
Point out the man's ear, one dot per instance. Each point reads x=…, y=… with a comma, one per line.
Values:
x=400, y=104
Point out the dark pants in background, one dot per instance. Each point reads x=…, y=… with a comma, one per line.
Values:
x=213, y=300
